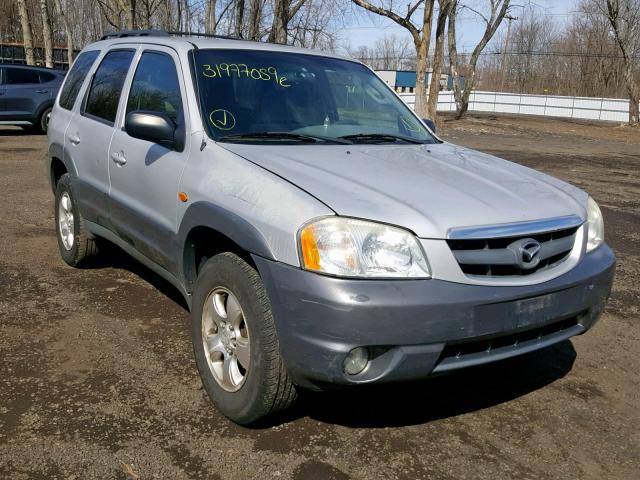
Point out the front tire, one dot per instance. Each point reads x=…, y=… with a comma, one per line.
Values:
x=235, y=342
x=75, y=245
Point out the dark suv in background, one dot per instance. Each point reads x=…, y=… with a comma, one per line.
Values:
x=27, y=95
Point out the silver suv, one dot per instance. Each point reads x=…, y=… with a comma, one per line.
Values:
x=320, y=232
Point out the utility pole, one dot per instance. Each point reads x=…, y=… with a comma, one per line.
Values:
x=505, y=50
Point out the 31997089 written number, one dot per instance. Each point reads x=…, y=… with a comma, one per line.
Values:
x=241, y=70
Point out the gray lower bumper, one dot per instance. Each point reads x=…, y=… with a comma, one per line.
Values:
x=415, y=328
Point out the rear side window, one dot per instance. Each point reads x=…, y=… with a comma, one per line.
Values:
x=76, y=77
x=155, y=86
x=46, y=77
x=106, y=87
x=21, y=76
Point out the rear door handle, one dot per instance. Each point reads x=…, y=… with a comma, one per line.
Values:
x=42, y=91
x=118, y=158
x=74, y=139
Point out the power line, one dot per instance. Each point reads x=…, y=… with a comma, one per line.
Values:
x=532, y=53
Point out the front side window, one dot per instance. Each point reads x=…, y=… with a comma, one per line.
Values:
x=75, y=78
x=21, y=76
x=244, y=93
x=155, y=87
x=106, y=87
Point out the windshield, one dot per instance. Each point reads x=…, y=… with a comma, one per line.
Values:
x=262, y=96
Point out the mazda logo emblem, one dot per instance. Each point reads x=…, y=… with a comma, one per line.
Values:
x=526, y=252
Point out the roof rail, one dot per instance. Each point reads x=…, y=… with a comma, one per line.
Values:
x=135, y=33
x=207, y=35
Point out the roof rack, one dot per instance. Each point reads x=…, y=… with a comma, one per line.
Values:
x=164, y=33
x=135, y=33
x=207, y=35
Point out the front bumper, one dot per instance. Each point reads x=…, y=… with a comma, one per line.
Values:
x=416, y=328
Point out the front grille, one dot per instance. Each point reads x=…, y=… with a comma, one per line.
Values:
x=481, y=351
x=491, y=257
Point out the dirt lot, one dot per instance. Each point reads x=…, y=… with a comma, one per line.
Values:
x=97, y=379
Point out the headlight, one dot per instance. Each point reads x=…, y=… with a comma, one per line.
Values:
x=349, y=247
x=595, y=222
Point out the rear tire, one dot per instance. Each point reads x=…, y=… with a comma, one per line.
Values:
x=43, y=121
x=231, y=321
x=74, y=241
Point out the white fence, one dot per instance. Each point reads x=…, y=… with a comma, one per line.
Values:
x=589, y=108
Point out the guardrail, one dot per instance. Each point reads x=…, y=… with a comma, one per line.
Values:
x=588, y=108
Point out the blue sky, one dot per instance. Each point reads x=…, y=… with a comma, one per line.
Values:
x=366, y=28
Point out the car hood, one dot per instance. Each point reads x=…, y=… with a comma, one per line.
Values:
x=425, y=188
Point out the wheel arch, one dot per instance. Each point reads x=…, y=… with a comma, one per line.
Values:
x=57, y=165
x=209, y=229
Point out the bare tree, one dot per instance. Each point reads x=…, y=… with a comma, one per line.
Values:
x=438, y=57
x=47, y=35
x=624, y=17
x=498, y=9
x=27, y=35
x=283, y=12
x=210, y=17
x=421, y=35
x=67, y=30
x=239, y=23
x=255, y=19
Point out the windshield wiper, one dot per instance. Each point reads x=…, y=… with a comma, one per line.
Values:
x=378, y=138
x=298, y=137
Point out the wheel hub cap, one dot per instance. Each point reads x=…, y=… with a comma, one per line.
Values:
x=225, y=338
x=65, y=221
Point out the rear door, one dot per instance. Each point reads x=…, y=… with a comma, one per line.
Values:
x=90, y=131
x=70, y=99
x=23, y=93
x=145, y=176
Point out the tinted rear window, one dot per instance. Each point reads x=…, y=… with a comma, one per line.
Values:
x=76, y=77
x=21, y=76
x=107, y=83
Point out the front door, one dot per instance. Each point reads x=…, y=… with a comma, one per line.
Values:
x=145, y=176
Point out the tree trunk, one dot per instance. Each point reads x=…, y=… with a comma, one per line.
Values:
x=616, y=14
x=280, y=22
x=462, y=95
x=46, y=34
x=254, y=19
x=422, y=56
x=210, y=20
x=27, y=36
x=438, y=58
x=634, y=95
x=421, y=107
x=239, y=18
x=67, y=30
x=634, y=111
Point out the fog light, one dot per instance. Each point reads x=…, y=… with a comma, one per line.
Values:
x=356, y=361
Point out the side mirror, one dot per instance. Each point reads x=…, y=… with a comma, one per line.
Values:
x=430, y=123
x=154, y=127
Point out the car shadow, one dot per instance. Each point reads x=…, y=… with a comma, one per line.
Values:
x=112, y=256
x=439, y=397
x=9, y=131
x=400, y=404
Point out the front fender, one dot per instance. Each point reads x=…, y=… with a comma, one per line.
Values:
x=225, y=222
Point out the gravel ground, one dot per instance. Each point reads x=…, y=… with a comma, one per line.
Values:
x=97, y=378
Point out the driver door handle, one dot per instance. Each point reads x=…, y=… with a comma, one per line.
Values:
x=118, y=158
x=74, y=139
